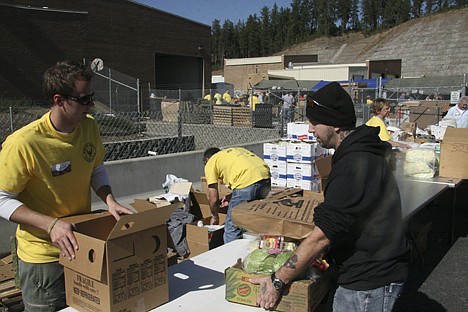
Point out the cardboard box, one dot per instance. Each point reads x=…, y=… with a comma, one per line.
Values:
x=302, y=296
x=323, y=167
x=274, y=152
x=291, y=217
x=299, y=131
x=223, y=190
x=200, y=239
x=120, y=265
x=454, y=154
x=278, y=173
x=300, y=175
x=200, y=201
x=301, y=152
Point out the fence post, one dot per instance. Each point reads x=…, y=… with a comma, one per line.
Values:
x=139, y=106
x=179, y=116
x=110, y=92
x=11, y=119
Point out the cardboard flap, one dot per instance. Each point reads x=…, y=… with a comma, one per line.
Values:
x=139, y=221
x=90, y=254
x=456, y=135
x=324, y=166
x=181, y=188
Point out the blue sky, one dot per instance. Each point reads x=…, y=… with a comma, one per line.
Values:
x=205, y=11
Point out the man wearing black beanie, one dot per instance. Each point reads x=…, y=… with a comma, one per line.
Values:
x=360, y=217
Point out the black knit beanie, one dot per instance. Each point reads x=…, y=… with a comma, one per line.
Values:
x=339, y=108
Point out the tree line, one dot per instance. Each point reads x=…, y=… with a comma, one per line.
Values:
x=276, y=29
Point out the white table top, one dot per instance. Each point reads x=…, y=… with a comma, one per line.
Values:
x=197, y=284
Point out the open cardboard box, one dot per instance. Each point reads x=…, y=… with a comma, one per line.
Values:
x=120, y=265
x=200, y=239
x=223, y=190
x=200, y=201
x=454, y=154
x=302, y=295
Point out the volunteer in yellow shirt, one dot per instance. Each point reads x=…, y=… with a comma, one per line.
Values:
x=244, y=172
x=48, y=167
x=381, y=109
x=227, y=97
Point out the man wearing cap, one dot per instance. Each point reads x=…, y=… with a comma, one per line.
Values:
x=359, y=219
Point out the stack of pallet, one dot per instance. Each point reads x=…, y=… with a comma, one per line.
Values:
x=232, y=116
x=10, y=294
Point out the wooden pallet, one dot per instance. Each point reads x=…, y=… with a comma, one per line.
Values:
x=10, y=295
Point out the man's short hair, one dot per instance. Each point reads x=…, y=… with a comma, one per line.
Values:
x=210, y=152
x=60, y=79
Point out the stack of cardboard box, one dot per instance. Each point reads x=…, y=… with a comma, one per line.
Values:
x=287, y=212
x=292, y=161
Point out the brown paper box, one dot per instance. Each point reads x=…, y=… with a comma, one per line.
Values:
x=120, y=265
x=454, y=154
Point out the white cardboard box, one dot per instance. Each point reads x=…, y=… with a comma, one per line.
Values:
x=299, y=131
x=274, y=152
x=278, y=173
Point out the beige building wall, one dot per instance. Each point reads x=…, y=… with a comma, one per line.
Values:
x=241, y=72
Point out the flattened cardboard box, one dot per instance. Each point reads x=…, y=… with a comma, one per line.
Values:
x=290, y=217
x=302, y=296
x=120, y=265
x=454, y=154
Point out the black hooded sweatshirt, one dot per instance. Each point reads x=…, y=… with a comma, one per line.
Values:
x=361, y=214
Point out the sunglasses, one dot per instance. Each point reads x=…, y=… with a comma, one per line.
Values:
x=311, y=103
x=84, y=100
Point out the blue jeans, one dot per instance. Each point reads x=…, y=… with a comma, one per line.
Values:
x=258, y=190
x=42, y=286
x=379, y=299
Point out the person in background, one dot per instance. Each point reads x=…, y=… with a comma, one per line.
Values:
x=245, y=173
x=369, y=100
x=227, y=97
x=288, y=105
x=218, y=98
x=360, y=218
x=462, y=121
x=48, y=167
x=381, y=109
x=253, y=100
x=458, y=110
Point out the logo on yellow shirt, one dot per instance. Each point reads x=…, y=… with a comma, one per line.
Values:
x=89, y=152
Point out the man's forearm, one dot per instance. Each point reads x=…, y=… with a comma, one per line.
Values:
x=309, y=250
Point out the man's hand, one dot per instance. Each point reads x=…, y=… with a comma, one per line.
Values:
x=225, y=201
x=214, y=220
x=268, y=296
x=117, y=210
x=62, y=236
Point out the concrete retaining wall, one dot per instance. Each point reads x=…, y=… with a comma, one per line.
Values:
x=140, y=178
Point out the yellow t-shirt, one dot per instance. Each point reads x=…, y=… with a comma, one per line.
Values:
x=227, y=97
x=237, y=167
x=377, y=122
x=219, y=98
x=51, y=172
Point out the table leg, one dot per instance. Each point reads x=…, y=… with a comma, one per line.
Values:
x=453, y=199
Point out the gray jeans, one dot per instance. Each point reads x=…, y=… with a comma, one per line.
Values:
x=42, y=286
x=375, y=300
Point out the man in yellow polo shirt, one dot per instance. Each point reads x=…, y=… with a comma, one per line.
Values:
x=48, y=169
x=244, y=172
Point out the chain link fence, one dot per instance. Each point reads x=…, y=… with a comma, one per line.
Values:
x=184, y=120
